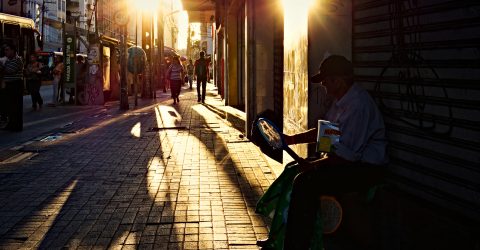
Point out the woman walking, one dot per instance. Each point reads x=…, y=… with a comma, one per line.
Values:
x=175, y=74
x=33, y=74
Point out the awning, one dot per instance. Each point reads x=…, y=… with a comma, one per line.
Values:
x=109, y=40
x=198, y=5
x=202, y=11
x=206, y=16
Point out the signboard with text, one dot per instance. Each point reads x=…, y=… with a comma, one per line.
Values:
x=69, y=60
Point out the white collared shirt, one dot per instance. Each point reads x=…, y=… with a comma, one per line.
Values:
x=361, y=124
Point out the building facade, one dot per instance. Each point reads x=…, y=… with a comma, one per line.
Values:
x=416, y=59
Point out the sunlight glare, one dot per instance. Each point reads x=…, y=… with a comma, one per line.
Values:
x=146, y=5
x=136, y=130
x=167, y=116
x=182, y=29
x=296, y=18
x=195, y=29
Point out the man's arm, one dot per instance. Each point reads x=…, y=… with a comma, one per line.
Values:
x=331, y=160
x=309, y=136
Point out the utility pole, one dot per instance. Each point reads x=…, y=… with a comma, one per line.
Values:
x=152, y=60
x=44, y=10
x=123, y=70
x=135, y=75
x=43, y=22
x=121, y=18
x=161, y=57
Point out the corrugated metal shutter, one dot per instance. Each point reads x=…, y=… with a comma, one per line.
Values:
x=421, y=61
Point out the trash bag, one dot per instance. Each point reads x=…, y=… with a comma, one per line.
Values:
x=275, y=203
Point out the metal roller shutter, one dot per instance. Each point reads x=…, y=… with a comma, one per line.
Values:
x=421, y=62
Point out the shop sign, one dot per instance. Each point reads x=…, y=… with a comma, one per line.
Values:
x=69, y=61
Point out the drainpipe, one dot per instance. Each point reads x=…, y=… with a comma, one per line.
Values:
x=226, y=88
x=251, y=103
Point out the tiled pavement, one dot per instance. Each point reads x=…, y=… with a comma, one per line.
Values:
x=162, y=176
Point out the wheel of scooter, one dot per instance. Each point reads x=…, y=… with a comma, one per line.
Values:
x=332, y=213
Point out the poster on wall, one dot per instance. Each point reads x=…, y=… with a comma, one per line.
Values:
x=92, y=94
x=94, y=55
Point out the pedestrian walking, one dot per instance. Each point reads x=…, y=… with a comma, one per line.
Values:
x=190, y=72
x=57, y=79
x=201, y=69
x=11, y=67
x=81, y=72
x=33, y=74
x=166, y=81
x=175, y=74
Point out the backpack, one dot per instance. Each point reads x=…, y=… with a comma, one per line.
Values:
x=201, y=68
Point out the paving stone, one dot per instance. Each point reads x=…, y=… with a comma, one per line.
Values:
x=169, y=189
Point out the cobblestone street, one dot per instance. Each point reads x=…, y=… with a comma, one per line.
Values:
x=160, y=176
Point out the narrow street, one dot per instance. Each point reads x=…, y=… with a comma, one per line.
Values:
x=156, y=177
x=378, y=102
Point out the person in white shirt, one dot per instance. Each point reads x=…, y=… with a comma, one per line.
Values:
x=357, y=161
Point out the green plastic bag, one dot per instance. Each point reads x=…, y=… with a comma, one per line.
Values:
x=276, y=201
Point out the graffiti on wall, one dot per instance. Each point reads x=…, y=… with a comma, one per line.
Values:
x=92, y=93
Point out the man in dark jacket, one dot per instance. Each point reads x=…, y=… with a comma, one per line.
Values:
x=201, y=69
x=12, y=70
